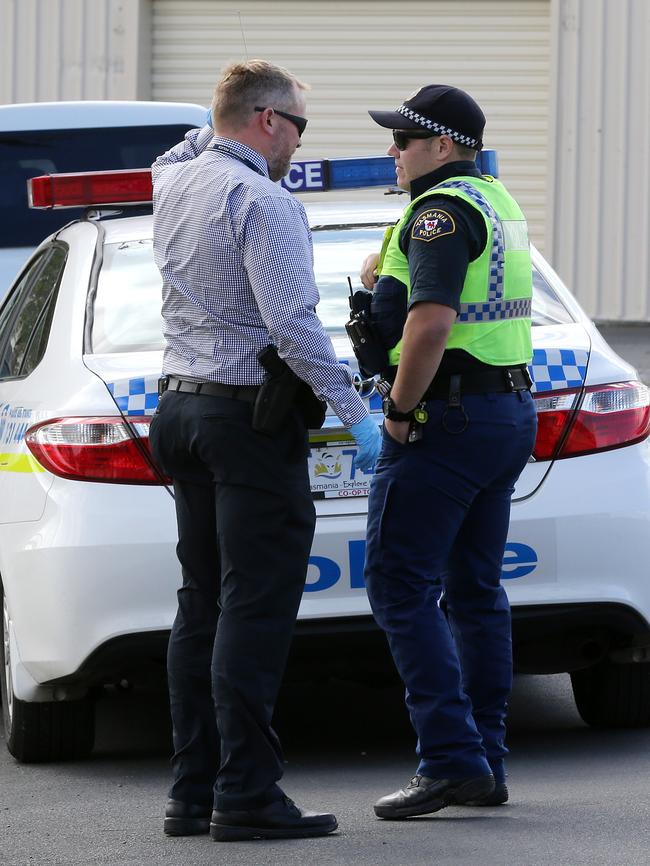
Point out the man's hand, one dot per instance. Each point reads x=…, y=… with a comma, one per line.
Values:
x=398, y=430
x=368, y=438
x=369, y=271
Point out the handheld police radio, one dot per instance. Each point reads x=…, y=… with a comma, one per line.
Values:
x=371, y=355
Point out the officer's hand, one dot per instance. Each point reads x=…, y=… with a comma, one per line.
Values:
x=368, y=438
x=369, y=271
x=398, y=430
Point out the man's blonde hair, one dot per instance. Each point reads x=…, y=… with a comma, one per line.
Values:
x=242, y=86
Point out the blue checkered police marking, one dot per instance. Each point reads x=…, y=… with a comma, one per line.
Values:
x=550, y=370
x=137, y=396
x=556, y=369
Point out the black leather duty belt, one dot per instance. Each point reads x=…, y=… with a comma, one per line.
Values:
x=494, y=381
x=248, y=393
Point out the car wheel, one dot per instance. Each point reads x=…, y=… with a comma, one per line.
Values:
x=610, y=695
x=39, y=732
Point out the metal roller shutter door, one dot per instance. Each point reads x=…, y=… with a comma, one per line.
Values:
x=362, y=54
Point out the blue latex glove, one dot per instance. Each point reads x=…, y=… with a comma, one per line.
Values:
x=368, y=438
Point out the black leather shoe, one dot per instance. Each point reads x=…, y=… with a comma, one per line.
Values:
x=424, y=795
x=281, y=819
x=497, y=798
x=186, y=819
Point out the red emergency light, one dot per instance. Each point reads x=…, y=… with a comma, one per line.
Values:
x=91, y=188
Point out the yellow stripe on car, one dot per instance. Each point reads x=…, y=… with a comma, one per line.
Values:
x=19, y=463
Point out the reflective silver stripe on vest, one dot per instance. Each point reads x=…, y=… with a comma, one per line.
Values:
x=495, y=308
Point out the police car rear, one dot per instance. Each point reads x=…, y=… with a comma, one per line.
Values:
x=87, y=527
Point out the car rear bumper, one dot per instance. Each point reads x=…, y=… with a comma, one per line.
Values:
x=546, y=639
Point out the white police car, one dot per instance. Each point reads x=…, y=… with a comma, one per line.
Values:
x=87, y=527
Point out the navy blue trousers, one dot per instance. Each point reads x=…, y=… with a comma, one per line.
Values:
x=245, y=526
x=439, y=511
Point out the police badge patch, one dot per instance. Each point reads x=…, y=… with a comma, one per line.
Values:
x=433, y=224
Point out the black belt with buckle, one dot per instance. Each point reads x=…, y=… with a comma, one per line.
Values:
x=493, y=381
x=248, y=393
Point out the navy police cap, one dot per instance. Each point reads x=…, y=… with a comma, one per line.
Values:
x=441, y=108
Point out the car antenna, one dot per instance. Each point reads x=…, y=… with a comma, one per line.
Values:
x=243, y=37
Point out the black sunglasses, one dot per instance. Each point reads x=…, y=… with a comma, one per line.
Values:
x=401, y=137
x=299, y=122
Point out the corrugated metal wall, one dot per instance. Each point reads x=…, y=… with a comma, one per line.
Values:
x=73, y=49
x=364, y=54
x=599, y=239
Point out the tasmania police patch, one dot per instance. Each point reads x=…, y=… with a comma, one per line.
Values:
x=433, y=224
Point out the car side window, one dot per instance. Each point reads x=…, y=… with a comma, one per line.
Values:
x=10, y=307
x=28, y=322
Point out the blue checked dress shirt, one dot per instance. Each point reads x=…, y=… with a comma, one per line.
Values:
x=235, y=253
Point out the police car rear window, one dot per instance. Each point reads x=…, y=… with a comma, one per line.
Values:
x=28, y=154
x=126, y=312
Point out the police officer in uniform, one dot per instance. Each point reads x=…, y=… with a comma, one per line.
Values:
x=452, y=301
x=235, y=254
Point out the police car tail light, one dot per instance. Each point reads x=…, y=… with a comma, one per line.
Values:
x=609, y=416
x=554, y=414
x=94, y=449
x=91, y=188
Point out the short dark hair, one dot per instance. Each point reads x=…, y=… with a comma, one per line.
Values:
x=466, y=152
x=242, y=86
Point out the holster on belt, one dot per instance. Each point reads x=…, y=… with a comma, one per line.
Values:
x=281, y=392
x=370, y=353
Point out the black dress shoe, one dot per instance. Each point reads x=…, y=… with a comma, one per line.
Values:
x=281, y=819
x=186, y=819
x=497, y=798
x=424, y=795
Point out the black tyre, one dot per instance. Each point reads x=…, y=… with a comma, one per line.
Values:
x=51, y=731
x=610, y=695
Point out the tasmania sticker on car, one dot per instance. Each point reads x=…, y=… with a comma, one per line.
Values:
x=333, y=471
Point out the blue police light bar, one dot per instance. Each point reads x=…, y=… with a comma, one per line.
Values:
x=322, y=175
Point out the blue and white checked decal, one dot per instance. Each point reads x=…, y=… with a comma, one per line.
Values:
x=556, y=369
x=137, y=396
x=550, y=370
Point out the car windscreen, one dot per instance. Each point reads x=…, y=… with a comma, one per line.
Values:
x=28, y=154
x=126, y=310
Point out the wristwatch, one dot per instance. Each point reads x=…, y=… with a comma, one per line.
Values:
x=393, y=414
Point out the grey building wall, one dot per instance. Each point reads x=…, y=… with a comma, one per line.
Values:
x=598, y=234
x=74, y=49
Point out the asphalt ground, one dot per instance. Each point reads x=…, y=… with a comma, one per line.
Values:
x=579, y=796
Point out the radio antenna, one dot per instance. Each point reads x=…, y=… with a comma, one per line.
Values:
x=243, y=37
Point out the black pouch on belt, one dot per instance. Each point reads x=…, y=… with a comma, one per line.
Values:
x=281, y=391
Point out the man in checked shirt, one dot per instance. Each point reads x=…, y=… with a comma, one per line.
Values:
x=235, y=254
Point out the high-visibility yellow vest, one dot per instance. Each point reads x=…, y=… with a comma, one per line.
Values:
x=494, y=321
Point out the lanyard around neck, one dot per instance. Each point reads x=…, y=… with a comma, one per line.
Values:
x=223, y=148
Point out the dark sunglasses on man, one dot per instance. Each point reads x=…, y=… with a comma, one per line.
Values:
x=299, y=122
x=401, y=137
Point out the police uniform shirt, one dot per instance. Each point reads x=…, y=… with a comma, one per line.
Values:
x=441, y=238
